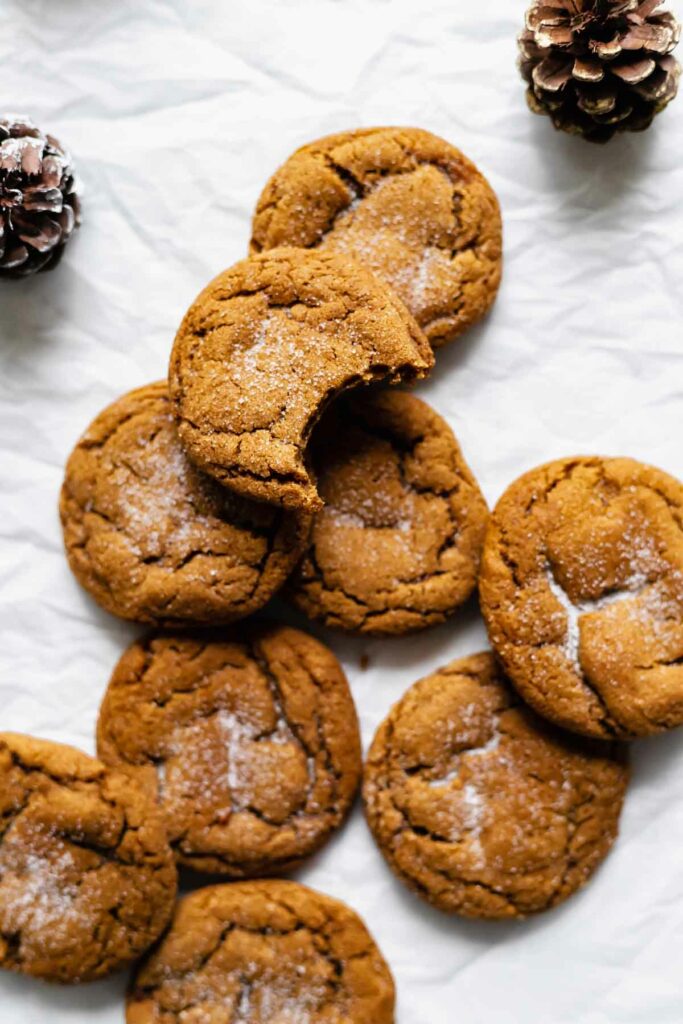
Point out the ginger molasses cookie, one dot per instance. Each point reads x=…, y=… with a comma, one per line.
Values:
x=480, y=806
x=264, y=349
x=396, y=547
x=250, y=742
x=263, y=952
x=153, y=539
x=87, y=880
x=582, y=591
x=408, y=204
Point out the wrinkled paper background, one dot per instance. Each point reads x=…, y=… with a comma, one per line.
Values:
x=177, y=111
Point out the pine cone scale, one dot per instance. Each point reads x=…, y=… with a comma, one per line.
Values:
x=636, y=72
x=658, y=38
x=47, y=200
x=42, y=235
x=588, y=69
x=606, y=51
x=552, y=74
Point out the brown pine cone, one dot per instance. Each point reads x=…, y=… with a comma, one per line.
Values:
x=596, y=67
x=39, y=205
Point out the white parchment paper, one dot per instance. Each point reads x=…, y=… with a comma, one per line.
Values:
x=176, y=112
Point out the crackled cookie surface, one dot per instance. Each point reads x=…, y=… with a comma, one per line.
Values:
x=87, y=880
x=396, y=547
x=582, y=591
x=250, y=742
x=153, y=539
x=408, y=204
x=263, y=952
x=480, y=806
x=263, y=350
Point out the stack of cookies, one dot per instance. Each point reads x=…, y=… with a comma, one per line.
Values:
x=277, y=458
x=275, y=451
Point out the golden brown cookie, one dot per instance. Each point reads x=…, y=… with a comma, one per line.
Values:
x=154, y=540
x=396, y=547
x=87, y=880
x=266, y=952
x=582, y=591
x=480, y=806
x=263, y=350
x=408, y=204
x=250, y=742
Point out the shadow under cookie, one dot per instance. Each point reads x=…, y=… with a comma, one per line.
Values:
x=249, y=741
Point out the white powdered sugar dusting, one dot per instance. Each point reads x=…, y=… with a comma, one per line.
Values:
x=215, y=758
x=237, y=738
x=356, y=521
x=492, y=744
x=475, y=810
x=489, y=747
x=160, y=502
x=295, y=993
x=415, y=280
x=34, y=895
x=473, y=800
x=573, y=612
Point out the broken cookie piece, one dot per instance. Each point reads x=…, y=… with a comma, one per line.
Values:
x=265, y=348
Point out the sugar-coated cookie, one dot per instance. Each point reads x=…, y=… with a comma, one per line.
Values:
x=249, y=741
x=480, y=806
x=413, y=208
x=263, y=952
x=263, y=350
x=87, y=880
x=582, y=591
x=153, y=539
x=396, y=547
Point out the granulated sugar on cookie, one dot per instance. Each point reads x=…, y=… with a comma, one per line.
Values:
x=407, y=204
x=249, y=740
x=581, y=588
x=263, y=951
x=480, y=806
x=266, y=347
x=87, y=881
x=155, y=540
x=397, y=546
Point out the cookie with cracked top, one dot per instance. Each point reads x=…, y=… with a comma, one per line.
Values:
x=581, y=588
x=413, y=208
x=264, y=349
x=87, y=879
x=480, y=806
x=249, y=741
x=155, y=540
x=263, y=951
x=396, y=547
